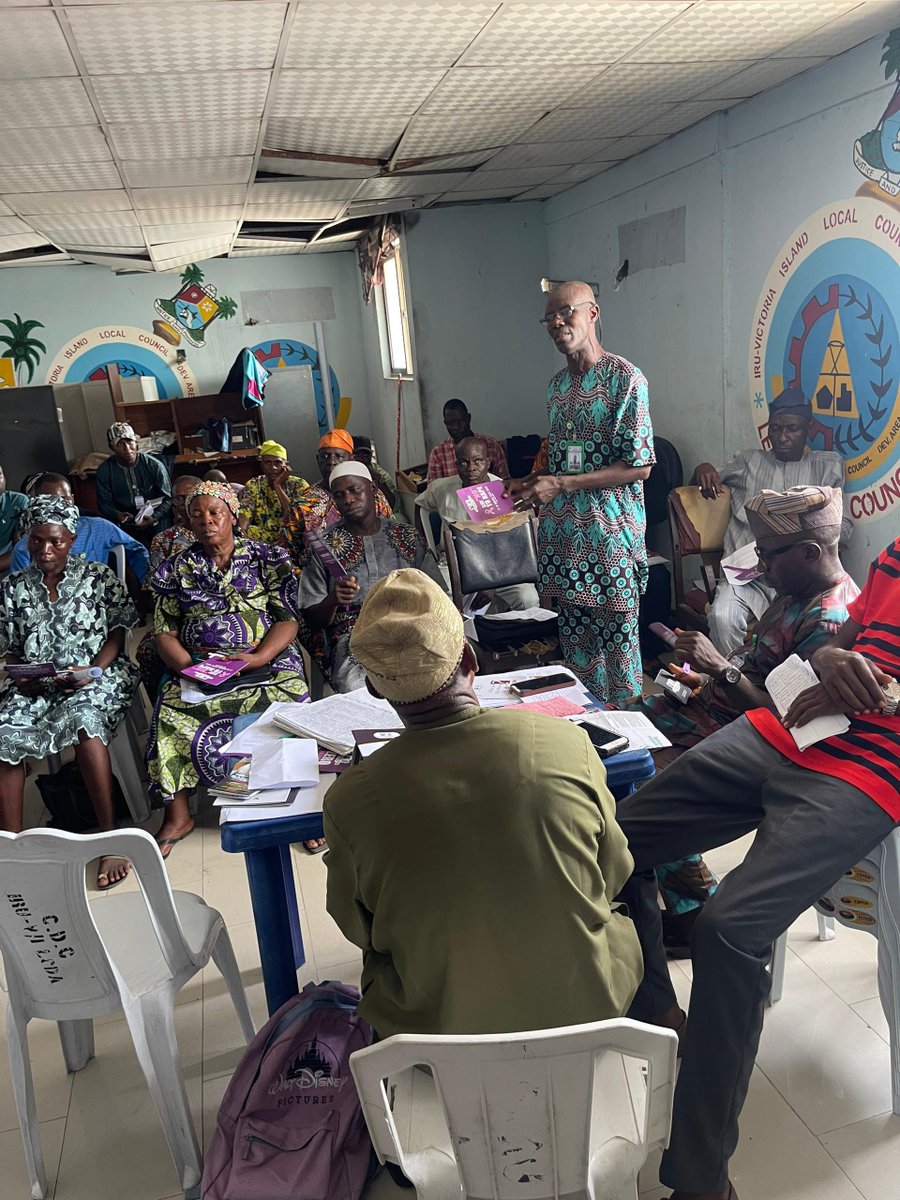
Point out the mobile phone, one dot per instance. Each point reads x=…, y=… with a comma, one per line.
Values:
x=542, y=683
x=663, y=632
x=604, y=741
x=678, y=691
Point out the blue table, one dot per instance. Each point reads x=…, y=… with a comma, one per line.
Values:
x=266, y=846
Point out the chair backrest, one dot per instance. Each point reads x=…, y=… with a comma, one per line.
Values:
x=57, y=967
x=119, y=556
x=481, y=561
x=697, y=526
x=533, y=1115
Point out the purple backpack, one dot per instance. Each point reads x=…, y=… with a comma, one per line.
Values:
x=290, y=1126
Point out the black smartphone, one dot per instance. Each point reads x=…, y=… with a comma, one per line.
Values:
x=604, y=741
x=542, y=683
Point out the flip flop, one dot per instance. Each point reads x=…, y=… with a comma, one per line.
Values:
x=170, y=842
x=109, y=885
x=315, y=849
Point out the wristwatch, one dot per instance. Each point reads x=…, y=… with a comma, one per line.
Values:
x=892, y=691
x=730, y=676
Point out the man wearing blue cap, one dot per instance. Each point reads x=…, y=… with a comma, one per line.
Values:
x=788, y=464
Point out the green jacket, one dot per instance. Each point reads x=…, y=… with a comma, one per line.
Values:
x=474, y=862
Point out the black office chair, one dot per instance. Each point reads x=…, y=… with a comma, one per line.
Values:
x=483, y=561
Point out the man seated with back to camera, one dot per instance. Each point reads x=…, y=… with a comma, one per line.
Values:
x=470, y=840
x=472, y=461
x=816, y=812
x=812, y=592
x=367, y=546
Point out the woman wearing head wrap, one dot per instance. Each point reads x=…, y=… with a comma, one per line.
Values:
x=229, y=597
x=268, y=497
x=128, y=481
x=72, y=614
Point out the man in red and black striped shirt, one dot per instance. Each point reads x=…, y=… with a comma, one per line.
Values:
x=816, y=813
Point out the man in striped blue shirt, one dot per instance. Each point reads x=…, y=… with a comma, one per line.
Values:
x=95, y=539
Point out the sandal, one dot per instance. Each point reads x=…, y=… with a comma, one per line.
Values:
x=165, y=846
x=315, y=845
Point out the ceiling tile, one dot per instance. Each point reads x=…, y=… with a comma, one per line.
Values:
x=321, y=94
x=24, y=3
x=42, y=102
x=86, y=201
x=274, y=192
x=124, y=262
x=178, y=254
x=212, y=171
x=369, y=34
x=742, y=29
x=296, y=210
x=608, y=120
x=485, y=194
x=221, y=96
x=59, y=177
x=442, y=133
x=680, y=116
x=160, y=234
x=264, y=252
x=162, y=38
x=409, y=185
x=651, y=83
x=186, y=197
x=355, y=133
x=536, y=86
x=865, y=21
x=515, y=179
x=40, y=48
x=117, y=223
x=166, y=214
x=12, y=225
x=577, y=31
x=543, y=192
x=332, y=248
x=20, y=241
x=39, y=147
x=5, y=210
x=260, y=243
x=768, y=73
x=449, y=162
x=625, y=147
x=534, y=154
x=183, y=140
x=322, y=170
x=581, y=172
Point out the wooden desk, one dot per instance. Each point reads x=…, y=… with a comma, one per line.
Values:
x=238, y=465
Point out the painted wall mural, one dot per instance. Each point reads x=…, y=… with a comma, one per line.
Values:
x=136, y=352
x=288, y=353
x=21, y=351
x=827, y=320
x=192, y=310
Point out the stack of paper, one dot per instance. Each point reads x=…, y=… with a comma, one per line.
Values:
x=642, y=734
x=493, y=691
x=291, y=763
x=331, y=721
x=784, y=684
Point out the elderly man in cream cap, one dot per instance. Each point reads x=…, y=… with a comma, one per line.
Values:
x=815, y=811
x=474, y=858
x=346, y=560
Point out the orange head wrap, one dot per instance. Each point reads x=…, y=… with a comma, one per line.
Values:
x=337, y=439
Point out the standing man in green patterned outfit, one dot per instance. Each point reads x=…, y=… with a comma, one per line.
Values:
x=593, y=558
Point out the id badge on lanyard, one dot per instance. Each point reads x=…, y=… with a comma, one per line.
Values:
x=573, y=457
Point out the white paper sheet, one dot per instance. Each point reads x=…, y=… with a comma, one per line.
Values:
x=331, y=721
x=493, y=691
x=784, y=684
x=642, y=734
x=303, y=800
x=289, y=763
x=741, y=568
x=262, y=733
x=524, y=614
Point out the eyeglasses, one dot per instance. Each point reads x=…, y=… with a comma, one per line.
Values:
x=563, y=314
x=765, y=556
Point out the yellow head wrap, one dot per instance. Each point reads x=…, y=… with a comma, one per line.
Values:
x=273, y=450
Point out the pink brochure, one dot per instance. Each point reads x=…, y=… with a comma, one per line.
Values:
x=485, y=500
x=213, y=671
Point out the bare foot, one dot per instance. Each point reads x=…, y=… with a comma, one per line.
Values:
x=111, y=871
x=315, y=845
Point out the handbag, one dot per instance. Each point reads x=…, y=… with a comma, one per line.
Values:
x=495, y=558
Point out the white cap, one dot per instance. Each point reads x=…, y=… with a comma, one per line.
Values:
x=350, y=467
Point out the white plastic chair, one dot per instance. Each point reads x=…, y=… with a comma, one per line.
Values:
x=779, y=954
x=867, y=897
x=559, y=1112
x=69, y=960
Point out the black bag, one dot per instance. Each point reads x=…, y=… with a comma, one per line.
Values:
x=501, y=558
x=67, y=800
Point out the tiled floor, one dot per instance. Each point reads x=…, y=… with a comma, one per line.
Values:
x=817, y=1124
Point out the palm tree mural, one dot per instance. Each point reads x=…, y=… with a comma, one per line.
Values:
x=24, y=350
x=191, y=311
x=877, y=153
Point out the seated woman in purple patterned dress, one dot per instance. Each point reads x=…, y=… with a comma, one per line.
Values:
x=228, y=596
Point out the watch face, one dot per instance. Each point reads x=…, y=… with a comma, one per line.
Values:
x=732, y=675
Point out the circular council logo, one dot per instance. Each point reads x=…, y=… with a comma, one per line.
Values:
x=85, y=358
x=825, y=322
